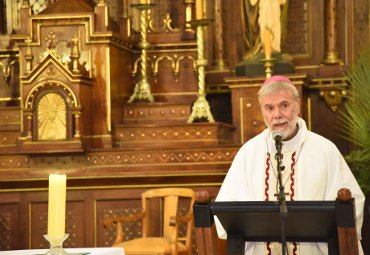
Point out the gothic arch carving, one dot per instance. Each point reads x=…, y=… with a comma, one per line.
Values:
x=52, y=111
x=54, y=85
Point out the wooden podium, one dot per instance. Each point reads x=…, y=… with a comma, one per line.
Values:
x=307, y=221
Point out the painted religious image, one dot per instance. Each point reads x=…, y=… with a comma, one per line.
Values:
x=52, y=117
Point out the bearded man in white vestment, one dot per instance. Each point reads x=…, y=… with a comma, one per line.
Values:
x=314, y=167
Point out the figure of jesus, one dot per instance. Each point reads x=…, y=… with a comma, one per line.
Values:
x=269, y=18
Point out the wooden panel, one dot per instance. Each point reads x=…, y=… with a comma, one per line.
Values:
x=357, y=27
x=10, y=126
x=121, y=84
x=23, y=216
x=156, y=113
x=326, y=123
x=75, y=224
x=251, y=120
x=38, y=213
x=9, y=116
x=115, y=207
x=10, y=226
x=172, y=135
x=297, y=36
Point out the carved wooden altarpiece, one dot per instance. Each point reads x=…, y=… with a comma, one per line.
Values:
x=70, y=70
x=65, y=82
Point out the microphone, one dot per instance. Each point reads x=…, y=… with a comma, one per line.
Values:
x=278, y=137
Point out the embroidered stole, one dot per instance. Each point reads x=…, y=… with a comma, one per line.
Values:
x=272, y=189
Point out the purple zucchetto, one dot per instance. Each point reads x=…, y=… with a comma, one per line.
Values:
x=276, y=78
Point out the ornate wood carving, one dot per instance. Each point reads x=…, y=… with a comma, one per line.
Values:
x=333, y=90
x=113, y=151
x=50, y=105
x=296, y=37
x=331, y=34
x=173, y=135
x=156, y=113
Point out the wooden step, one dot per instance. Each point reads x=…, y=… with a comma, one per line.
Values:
x=10, y=128
x=156, y=113
x=172, y=135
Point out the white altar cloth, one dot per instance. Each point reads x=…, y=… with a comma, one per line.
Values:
x=89, y=251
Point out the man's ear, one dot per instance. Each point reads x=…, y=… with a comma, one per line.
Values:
x=298, y=106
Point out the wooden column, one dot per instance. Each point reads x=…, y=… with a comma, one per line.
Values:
x=331, y=55
x=101, y=21
x=219, y=62
x=24, y=15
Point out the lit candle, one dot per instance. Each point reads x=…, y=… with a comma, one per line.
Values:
x=267, y=43
x=57, y=206
x=199, y=9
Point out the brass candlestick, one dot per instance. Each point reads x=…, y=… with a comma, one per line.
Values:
x=142, y=88
x=268, y=63
x=201, y=110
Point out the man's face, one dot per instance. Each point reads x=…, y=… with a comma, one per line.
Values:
x=280, y=112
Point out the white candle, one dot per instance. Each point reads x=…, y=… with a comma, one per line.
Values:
x=199, y=9
x=57, y=206
x=267, y=43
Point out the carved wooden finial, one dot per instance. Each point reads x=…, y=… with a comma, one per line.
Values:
x=29, y=56
x=344, y=194
x=75, y=54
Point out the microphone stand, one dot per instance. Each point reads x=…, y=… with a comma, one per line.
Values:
x=281, y=196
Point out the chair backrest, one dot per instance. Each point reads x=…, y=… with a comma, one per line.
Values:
x=167, y=203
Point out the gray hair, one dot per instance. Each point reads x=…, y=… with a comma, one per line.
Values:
x=276, y=86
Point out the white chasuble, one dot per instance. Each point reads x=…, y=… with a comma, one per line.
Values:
x=314, y=170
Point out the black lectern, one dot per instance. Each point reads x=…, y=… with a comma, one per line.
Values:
x=308, y=221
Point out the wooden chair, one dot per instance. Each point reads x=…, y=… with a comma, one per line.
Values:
x=169, y=242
